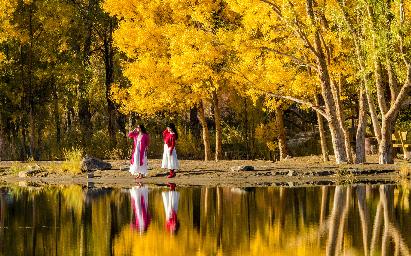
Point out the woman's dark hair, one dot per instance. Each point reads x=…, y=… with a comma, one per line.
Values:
x=142, y=128
x=173, y=129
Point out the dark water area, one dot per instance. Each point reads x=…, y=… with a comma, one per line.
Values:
x=168, y=220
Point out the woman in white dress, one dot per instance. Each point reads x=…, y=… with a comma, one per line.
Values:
x=138, y=162
x=170, y=160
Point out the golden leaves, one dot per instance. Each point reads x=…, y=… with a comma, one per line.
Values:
x=176, y=49
x=7, y=7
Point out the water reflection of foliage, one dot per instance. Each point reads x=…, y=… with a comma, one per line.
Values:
x=384, y=216
x=275, y=221
x=360, y=220
x=216, y=221
x=56, y=221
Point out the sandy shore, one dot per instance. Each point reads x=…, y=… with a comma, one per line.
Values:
x=300, y=171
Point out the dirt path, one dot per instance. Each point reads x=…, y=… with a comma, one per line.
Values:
x=301, y=171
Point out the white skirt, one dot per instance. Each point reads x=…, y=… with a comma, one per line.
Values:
x=136, y=168
x=169, y=161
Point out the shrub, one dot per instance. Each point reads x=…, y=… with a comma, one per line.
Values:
x=187, y=146
x=72, y=160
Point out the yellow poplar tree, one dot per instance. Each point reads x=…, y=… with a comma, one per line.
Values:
x=307, y=57
x=177, y=56
x=380, y=32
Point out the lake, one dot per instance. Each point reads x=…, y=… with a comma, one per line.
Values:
x=173, y=220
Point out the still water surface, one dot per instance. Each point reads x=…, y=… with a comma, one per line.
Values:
x=74, y=220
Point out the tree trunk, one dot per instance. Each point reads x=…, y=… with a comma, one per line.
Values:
x=1, y=137
x=84, y=115
x=23, y=117
x=206, y=135
x=398, y=95
x=360, y=135
x=246, y=124
x=218, y=130
x=323, y=139
x=337, y=133
x=374, y=117
x=359, y=51
x=109, y=67
x=84, y=102
x=341, y=118
x=32, y=132
x=385, y=149
x=23, y=152
x=380, y=86
x=70, y=115
x=279, y=119
x=39, y=149
x=56, y=117
x=194, y=127
x=121, y=121
x=30, y=95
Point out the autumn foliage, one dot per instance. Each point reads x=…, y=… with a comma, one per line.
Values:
x=231, y=66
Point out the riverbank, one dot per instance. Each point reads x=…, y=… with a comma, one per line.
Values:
x=299, y=171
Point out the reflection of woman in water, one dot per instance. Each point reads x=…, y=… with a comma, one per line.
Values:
x=170, y=201
x=139, y=203
x=139, y=155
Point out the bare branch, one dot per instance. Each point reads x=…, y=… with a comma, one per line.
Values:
x=392, y=81
x=292, y=57
x=327, y=49
x=275, y=7
x=298, y=29
x=300, y=101
x=402, y=96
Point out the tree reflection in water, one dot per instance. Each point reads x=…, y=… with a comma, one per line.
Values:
x=73, y=220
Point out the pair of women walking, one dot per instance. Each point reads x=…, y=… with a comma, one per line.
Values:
x=141, y=141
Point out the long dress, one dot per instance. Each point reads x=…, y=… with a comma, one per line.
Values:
x=139, y=203
x=170, y=201
x=169, y=161
x=139, y=157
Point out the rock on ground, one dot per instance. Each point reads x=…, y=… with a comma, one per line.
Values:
x=91, y=163
x=242, y=168
x=30, y=172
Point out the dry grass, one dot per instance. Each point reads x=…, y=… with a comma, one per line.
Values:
x=73, y=159
x=17, y=167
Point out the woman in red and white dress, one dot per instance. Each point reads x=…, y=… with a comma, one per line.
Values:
x=138, y=160
x=170, y=160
